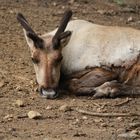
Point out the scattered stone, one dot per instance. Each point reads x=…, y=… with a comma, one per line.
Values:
x=130, y=19
x=135, y=132
x=49, y=107
x=103, y=124
x=12, y=129
x=79, y=134
x=102, y=12
x=76, y=122
x=8, y=117
x=71, y=1
x=99, y=110
x=54, y=4
x=129, y=135
x=134, y=125
x=19, y=103
x=121, y=130
x=19, y=88
x=119, y=119
x=98, y=120
x=1, y=84
x=34, y=115
x=84, y=118
x=65, y=108
x=63, y=7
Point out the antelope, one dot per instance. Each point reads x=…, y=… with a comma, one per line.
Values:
x=85, y=58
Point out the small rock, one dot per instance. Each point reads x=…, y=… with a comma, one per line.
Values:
x=134, y=132
x=19, y=103
x=99, y=110
x=79, y=134
x=120, y=119
x=63, y=7
x=49, y=107
x=130, y=19
x=11, y=11
x=76, y=122
x=98, y=120
x=54, y=4
x=121, y=130
x=8, y=117
x=102, y=12
x=18, y=88
x=34, y=115
x=71, y=1
x=11, y=129
x=128, y=136
x=134, y=125
x=65, y=108
x=1, y=84
x=103, y=124
x=84, y=118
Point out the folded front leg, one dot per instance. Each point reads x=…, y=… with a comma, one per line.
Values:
x=87, y=82
x=108, y=89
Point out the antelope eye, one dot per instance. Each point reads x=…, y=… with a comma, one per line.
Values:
x=35, y=60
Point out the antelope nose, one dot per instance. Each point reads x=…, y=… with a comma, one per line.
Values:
x=48, y=93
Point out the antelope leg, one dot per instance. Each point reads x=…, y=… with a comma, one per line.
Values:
x=85, y=83
x=113, y=89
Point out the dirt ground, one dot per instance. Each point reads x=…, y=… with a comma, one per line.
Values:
x=60, y=119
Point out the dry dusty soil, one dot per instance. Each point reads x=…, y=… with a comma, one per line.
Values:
x=60, y=119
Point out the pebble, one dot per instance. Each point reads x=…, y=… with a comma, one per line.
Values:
x=18, y=88
x=54, y=4
x=103, y=124
x=71, y=1
x=49, y=107
x=8, y=117
x=76, y=122
x=1, y=84
x=19, y=103
x=134, y=125
x=84, y=118
x=34, y=115
x=129, y=136
x=130, y=19
x=120, y=119
x=121, y=130
x=102, y=12
x=98, y=120
x=65, y=108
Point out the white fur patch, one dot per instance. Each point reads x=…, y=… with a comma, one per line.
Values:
x=96, y=45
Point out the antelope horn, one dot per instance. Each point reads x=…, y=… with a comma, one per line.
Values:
x=63, y=23
x=29, y=31
x=24, y=23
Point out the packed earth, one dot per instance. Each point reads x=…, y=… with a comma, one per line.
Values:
x=24, y=115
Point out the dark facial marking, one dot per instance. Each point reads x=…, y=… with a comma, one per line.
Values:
x=35, y=60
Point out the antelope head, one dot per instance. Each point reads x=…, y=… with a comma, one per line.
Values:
x=46, y=54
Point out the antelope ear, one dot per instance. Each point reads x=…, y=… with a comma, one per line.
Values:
x=33, y=40
x=31, y=37
x=64, y=38
x=28, y=39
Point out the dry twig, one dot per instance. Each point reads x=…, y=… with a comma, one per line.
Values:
x=123, y=102
x=107, y=114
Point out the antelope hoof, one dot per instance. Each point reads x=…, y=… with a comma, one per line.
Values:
x=108, y=89
x=49, y=94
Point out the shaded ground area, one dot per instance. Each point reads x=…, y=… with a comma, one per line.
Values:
x=60, y=120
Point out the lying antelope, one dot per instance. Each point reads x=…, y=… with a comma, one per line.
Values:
x=85, y=58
